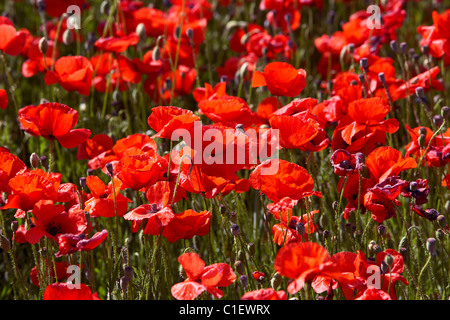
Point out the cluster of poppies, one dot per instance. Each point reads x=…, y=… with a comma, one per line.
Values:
x=352, y=127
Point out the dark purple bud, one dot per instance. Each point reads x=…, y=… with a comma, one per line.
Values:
x=109, y=167
x=394, y=46
x=235, y=230
x=431, y=246
x=381, y=230
x=438, y=120
x=83, y=182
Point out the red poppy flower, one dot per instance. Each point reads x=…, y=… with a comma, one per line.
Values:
x=73, y=73
x=52, y=220
x=11, y=41
x=101, y=203
x=10, y=165
x=380, y=206
x=384, y=162
x=265, y=294
x=345, y=163
x=278, y=178
x=281, y=79
x=31, y=186
x=187, y=224
x=367, y=116
x=301, y=261
x=55, y=8
x=202, y=278
x=53, y=121
x=94, y=146
x=117, y=44
x=165, y=120
x=295, y=131
x=65, y=291
x=71, y=243
x=374, y=294
x=3, y=99
x=138, y=171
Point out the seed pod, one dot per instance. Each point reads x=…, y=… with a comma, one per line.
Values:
x=364, y=63
x=326, y=234
x=382, y=77
x=404, y=48
x=239, y=266
x=240, y=255
x=34, y=160
x=190, y=34
x=413, y=186
x=44, y=162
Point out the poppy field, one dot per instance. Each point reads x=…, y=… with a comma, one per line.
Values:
x=224, y=150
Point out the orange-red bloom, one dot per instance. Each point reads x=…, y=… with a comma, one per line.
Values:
x=202, y=278
x=53, y=121
x=281, y=79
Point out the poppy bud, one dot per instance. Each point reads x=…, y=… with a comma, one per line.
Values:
x=233, y=216
x=141, y=32
x=83, y=182
x=300, y=227
x=384, y=267
x=109, y=167
x=156, y=54
x=251, y=249
x=423, y=130
x=235, y=229
x=335, y=205
x=353, y=82
x=445, y=112
x=381, y=230
x=421, y=140
x=128, y=272
x=431, y=246
x=244, y=281
x=14, y=226
x=442, y=221
x=43, y=45
x=326, y=234
x=404, y=48
x=67, y=37
x=440, y=234
x=389, y=259
x=124, y=282
x=382, y=77
x=41, y=5
x=89, y=172
x=34, y=160
x=44, y=162
x=275, y=281
x=4, y=243
x=420, y=93
x=394, y=46
x=405, y=254
x=364, y=63
x=177, y=32
x=239, y=266
x=105, y=7
x=413, y=186
x=351, y=48
x=190, y=34
x=438, y=120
